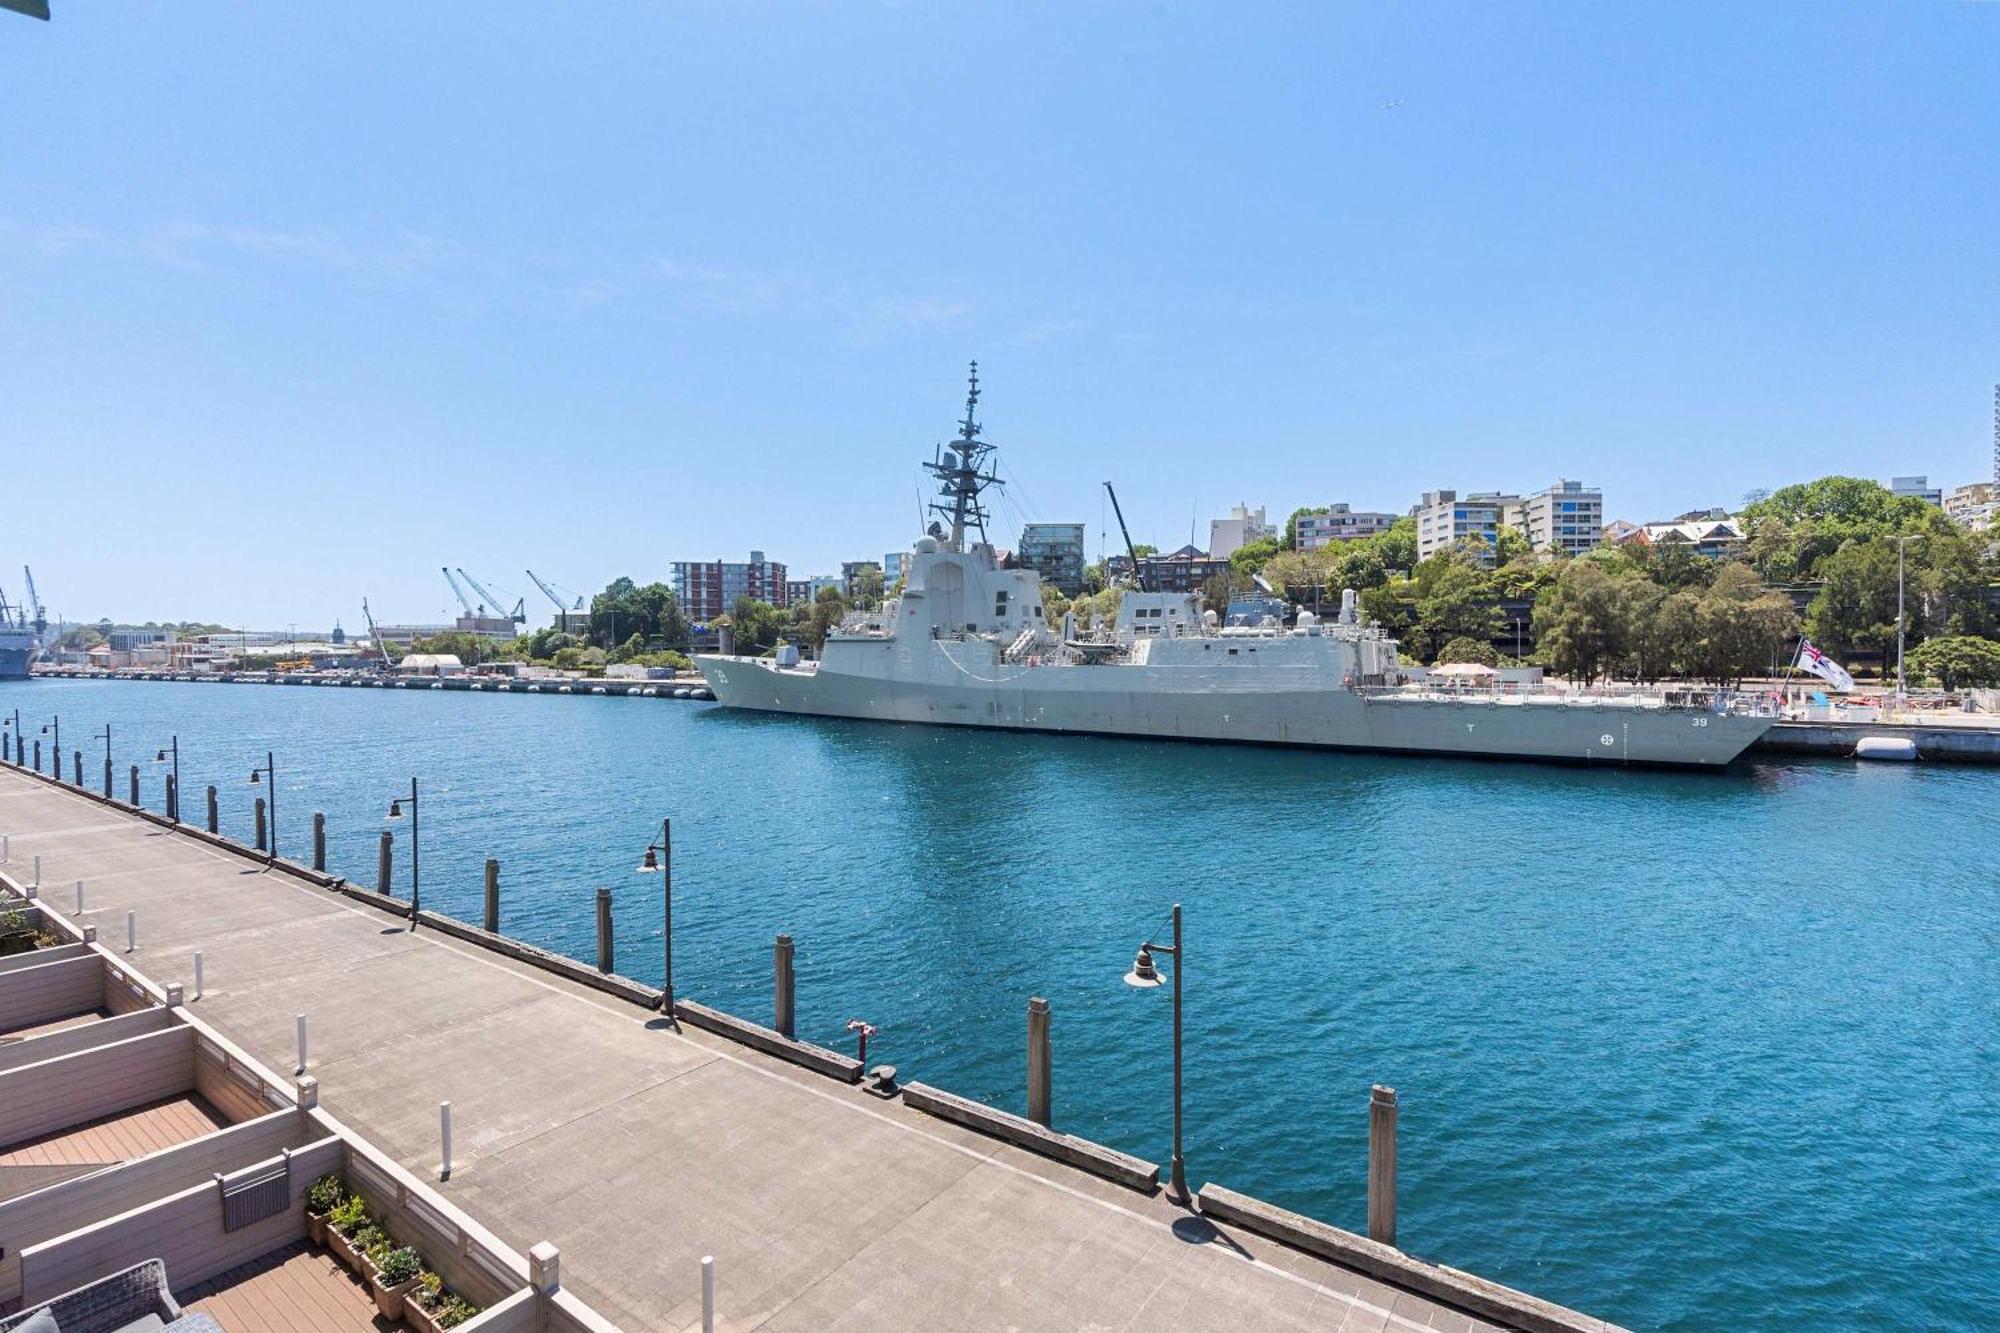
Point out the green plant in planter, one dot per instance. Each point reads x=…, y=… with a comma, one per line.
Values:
x=398, y=1266
x=454, y=1310
x=350, y=1217
x=13, y=921
x=372, y=1241
x=430, y=1290
x=323, y=1196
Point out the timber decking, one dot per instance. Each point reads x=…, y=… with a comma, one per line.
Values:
x=121, y=1137
x=56, y=1025
x=297, y=1289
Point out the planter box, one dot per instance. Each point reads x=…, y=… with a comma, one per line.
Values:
x=316, y=1226
x=388, y=1299
x=20, y=941
x=419, y=1319
x=343, y=1250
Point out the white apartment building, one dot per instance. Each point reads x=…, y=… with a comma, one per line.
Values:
x=1974, y=506
x=1444, y=520
x=1243, y=526
x=1567, y=517
x=1339, y=524
x=1920, y=487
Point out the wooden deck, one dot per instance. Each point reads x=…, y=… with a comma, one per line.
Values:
x=121, y=1137
x=297, y=1289
x=56, y=1025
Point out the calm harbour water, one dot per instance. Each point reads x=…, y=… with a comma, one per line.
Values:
x=1684, y=1050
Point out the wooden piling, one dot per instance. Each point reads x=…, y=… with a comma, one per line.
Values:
x=135, y=784
x=173, y=799
x=783, y=987
x=492, y=921
x=604, y=948
x=1382, y=1165
x=213, y=821
x=384, y=851
x=1038, y=1061
x=319, y=841
x=263, y=832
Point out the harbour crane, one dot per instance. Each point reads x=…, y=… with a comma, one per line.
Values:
x=549, y=591
x=519, y=615
x=36, y=615
x=1138, y=570
x=459, y=593
x=381, y=644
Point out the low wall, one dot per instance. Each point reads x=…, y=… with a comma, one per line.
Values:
x=1123, y=1168
x=46, y=992
x=770, y=1041
x=183, y=1229
x=36, y=957
x=1474, y=1295
x=84, y=1037
x=78, y=1203
x=471, y=1260
x=42, y=1098
x=1962, y=745
x=519, y=1313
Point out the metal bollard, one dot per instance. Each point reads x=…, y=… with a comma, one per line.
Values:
x=1038, y=1061
x=38, y=870
x=1382, y=1165
x=131, y=931
x=384, y=850
x=262, y=833
x=135, y=784
x=492, y=896
x=213, y=821
x=444, y=1138
x=319, y=841
x=708, y=1293
x=197, y=974
x=604, y=950
x=79, y=897
x=784, y=987
x=302, y=1043
x=6, y=849
x=76, y=766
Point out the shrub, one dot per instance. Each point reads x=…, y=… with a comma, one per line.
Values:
x=323, y=1196
x=430, y=1290
x=350, y=1217
x=398, y=1266
x=372, y=1241
x=454, y=1310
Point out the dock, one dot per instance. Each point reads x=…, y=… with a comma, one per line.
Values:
x=638, y=1145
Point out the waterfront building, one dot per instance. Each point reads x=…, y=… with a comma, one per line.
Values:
x=1918, y=487
x=1445, y=520
x=1055, y=551
x=707, y=589
x=1568, y=518
x=1708, y=537
x=892, y=568
x=1974, y=506
x=1619, y=531
x=1185, y=570
x=1243, y=526
x=850, y=576
x=1338, y=523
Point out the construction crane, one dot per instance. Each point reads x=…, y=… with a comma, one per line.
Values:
x=549, y=591
x=38, y=617
x=1138, y=570
x=519, y=615
x=459, y=593
x=381, y=644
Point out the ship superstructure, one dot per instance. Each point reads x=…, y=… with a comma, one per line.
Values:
x=22, y=627
x=968, y=643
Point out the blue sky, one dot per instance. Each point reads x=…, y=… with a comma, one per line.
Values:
x=298, y=304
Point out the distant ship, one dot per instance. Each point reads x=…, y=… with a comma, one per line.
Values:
x=21, y=630
x=967, y=644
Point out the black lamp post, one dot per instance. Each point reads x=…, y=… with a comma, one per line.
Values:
x=416, y=870
x=267, y=778
x=57, y=723
x=14, y=746
x=1146, y=975
x=160, y=757
x=105, y=736
x=660, y=861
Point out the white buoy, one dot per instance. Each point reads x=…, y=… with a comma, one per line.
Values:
x=1897, y=748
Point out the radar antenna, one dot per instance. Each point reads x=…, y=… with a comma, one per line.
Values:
x=963, y=471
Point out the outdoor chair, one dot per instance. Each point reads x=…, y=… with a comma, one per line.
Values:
x=134, y=1301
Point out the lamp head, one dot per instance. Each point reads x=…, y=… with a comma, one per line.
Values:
x=395, y=809
x=1144, y=974
x=256, y=777
x=651, y=865
x=159, y=756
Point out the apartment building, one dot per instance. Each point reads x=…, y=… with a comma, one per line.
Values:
x=1055, y=551
x=707, y=589
x=1567, y=517
x=1339, y=523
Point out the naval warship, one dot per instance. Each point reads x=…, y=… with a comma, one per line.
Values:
x=967, y=643
x=21, y=630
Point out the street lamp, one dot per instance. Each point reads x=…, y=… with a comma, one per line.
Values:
x=267, y=778
x=660, y=861
x=160, y=757
x=16, y=748
x=416, y=870
x=1145, y=975
x=1901, y=542
x=105, y=736
x=57, y=722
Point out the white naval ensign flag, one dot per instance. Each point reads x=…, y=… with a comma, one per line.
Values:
x=1817, y=663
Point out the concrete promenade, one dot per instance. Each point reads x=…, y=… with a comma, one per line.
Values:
x=580, y=1118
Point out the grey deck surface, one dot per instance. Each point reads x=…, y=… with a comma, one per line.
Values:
x=637, y=1149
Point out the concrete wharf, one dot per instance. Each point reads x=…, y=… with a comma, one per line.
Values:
x=640, y=1145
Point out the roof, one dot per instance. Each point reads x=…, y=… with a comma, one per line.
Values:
x=426, y=661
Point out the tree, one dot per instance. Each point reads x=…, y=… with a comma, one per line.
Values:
x=1581, y=623
x=1956, y=661
x=1398, y=546
x=1454, y=599
x=1250, y=557
x=1469, y=650
x=1216, y=593
x=868, y=588
x=1510, y=544
x=1298, y=575
x=754, y=626
x=1855, y=609
x=1356, y=564
x=1796, y=528
x=467, y=648
x=625, y=608
x=1742, y=625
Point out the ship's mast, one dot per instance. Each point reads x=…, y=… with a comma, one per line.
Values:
x=963, y=471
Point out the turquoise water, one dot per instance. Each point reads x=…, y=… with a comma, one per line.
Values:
x=1685, y=1050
